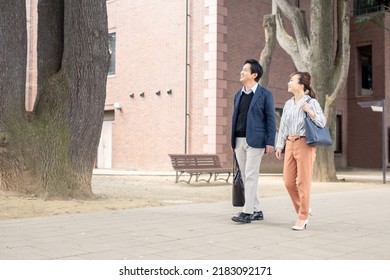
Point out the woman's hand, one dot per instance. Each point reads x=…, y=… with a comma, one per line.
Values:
x=278, y=154
x=305, y=107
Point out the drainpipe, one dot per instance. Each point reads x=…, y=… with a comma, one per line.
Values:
x=186, y=82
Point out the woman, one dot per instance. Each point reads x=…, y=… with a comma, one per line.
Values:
x=299, y=157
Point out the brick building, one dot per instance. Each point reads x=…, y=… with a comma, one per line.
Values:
x=175, y=69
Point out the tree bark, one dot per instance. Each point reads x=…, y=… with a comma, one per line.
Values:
x=50, y=29
x=85, y=64
x=13, y=49
x=269, y=25
x=315, y=52
x=52, y=151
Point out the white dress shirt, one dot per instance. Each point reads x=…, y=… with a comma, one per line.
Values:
x=292, y=122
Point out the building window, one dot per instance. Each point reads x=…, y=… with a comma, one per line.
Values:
x=109, y=115
x=338, y=147
x=369, y=6
x=365, y=65
x=111, y=46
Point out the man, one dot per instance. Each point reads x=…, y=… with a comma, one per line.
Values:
x=253, y=134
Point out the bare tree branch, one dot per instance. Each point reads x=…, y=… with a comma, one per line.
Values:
x=270, y=41
x=287, y=42
x=298, y=21
x=298, y=47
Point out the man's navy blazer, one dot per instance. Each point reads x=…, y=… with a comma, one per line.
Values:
x=260, y=123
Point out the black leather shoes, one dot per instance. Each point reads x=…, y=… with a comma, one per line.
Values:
x=257, y=216
x=242, y=218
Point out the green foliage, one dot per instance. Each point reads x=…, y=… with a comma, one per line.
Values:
x=376, y=18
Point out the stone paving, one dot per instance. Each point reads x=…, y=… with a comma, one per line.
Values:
x=346, y=225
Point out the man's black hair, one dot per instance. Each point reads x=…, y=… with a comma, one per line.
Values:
x=255, y=68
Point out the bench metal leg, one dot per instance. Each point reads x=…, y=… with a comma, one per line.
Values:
x=198, y=175
x=208, y=181
x=226, y=180
x=189, y=180
x=177, y=177
x=179, y=173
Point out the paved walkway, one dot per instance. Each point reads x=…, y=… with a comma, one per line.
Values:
x=345, y=225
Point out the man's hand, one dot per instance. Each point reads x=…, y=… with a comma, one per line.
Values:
x=269, y=149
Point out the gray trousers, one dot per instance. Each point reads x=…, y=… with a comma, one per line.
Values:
x=249, y=160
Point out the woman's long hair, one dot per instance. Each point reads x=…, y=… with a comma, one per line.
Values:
x=305, y=79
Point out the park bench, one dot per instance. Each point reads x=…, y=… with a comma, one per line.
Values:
x=198, y=164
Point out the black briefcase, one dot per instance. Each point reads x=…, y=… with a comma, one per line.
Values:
x=238, y=189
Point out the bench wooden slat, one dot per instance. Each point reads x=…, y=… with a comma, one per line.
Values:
x=198, y=164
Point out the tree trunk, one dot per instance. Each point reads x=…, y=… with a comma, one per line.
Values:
x=324, y=166
x=52, y=151
x=269, y=46
x=323, y=56
x=13, y=49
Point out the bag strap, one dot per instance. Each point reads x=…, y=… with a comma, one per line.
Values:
x=307, y=101
x=235, y=163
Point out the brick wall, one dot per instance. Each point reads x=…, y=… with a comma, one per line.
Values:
x=222, y=34
x=364, y=126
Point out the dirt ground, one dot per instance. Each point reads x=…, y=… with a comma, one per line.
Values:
x=114, y=192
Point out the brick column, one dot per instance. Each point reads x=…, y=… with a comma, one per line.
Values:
x=215, y=111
